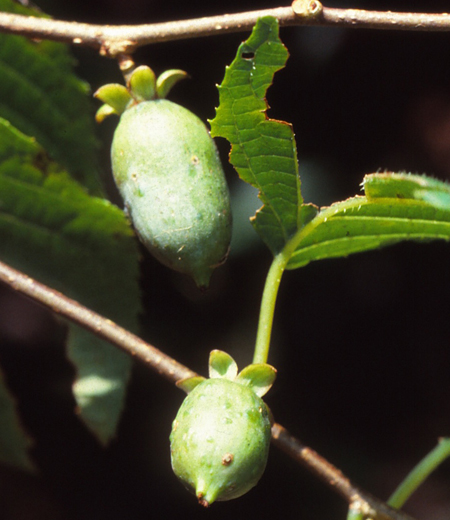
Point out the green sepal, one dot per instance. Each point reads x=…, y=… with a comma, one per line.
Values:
x=259, y=377
x=115, y=95
x=167, y=80
x=222, y=364
x=188, y=384
x=142, y=83
x=103, y=112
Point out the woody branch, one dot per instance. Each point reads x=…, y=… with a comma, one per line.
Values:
x=112, y=40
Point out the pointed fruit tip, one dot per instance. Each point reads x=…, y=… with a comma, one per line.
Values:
x=202, y=501
x=206, y=498
x=202, y=280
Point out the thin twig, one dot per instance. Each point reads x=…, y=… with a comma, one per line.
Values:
x=112, y=40
x=98, y=325
x=173, y=371
x=370, y=506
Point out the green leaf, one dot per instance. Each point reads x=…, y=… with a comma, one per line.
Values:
x=40, y=95
x=263, y=150
x=408, y=186
x=81, y=245
x=17, y=7
x=14, y=442
x=394, y=209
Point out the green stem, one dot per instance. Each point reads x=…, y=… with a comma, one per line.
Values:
x=270, y=292
x=267, y=310
x=428, y=464
x=273, y=280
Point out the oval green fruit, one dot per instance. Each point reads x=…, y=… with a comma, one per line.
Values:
x=220, y=440
x=167, y=169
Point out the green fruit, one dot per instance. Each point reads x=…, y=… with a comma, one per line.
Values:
x=167, y=169
x=220, y=440
x=220, y=437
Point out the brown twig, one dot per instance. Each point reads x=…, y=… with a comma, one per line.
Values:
x=173, y=371
x=98, y=325
x=368, y=505
x=114, y=40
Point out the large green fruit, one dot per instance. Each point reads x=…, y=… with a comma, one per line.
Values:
x=168, y=171
x=220, y=440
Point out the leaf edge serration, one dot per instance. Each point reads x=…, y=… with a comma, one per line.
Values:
x=241, y=118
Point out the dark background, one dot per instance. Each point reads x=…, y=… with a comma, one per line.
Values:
x=361, y=344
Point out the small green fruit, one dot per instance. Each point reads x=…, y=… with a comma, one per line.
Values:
x=167, y=169
x=220, y=440
x=221, y=435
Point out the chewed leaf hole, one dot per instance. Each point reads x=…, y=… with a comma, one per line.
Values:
x=247, y=55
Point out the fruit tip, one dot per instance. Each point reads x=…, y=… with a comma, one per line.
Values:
x=202, y=279
x=202, y=501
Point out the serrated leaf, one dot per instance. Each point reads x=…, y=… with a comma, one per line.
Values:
x=393, y=210
x=42, y=97
x=14, y=442
x=409, y=186
x=263, y=150
x=81, y=245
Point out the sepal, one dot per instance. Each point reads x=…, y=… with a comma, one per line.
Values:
x=103, y=112
x=188, y=384
x=142, y=83
x=259, y=377
x=222, y=364
x=167, y=80
x=115, y=95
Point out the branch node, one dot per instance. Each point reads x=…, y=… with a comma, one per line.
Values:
x=114, y=48
x=307, y=8
x=360, y=505
x=126, y=65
